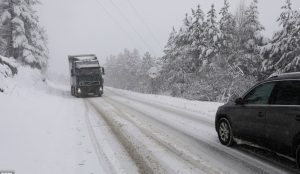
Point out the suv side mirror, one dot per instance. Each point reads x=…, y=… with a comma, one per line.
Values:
x=233, y=97
x=239, y=101
x=103, y=71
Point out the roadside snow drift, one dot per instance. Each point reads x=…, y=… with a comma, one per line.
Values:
x=8, y=68
x=42, y=129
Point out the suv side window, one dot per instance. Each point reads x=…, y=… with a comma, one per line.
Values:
x=287, y=93
x=260, y=95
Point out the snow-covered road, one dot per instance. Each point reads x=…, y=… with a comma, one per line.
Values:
x=136, y=133
x=121, y=132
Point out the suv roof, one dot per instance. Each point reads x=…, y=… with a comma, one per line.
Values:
x=294, y=75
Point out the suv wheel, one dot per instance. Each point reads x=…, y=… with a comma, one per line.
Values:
x=225, y=132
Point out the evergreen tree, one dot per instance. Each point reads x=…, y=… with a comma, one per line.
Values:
x=177, y=59
x=145, y=82
x=146, y=64
x=123, y=71
x=283, y=53
x=197, y=37
x=24, y=39
x=252, y=28
x=227, y=25
x=211, y=40
x=248, y=58
x=203, y=59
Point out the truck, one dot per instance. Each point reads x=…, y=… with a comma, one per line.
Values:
x=86, y=75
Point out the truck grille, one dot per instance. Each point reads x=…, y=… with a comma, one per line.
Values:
x=89, y=83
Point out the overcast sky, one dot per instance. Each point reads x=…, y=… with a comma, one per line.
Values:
x=106, y=27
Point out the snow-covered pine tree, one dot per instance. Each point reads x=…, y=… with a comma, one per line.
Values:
x=170, y=48
x=131, y=63
x=211, y=40
x=123, y=70
x=251, y=39
x=177, y=61
x=184, y=59
x=4, y=28
x=196, y=37
x=252, y=28
x=283, y=53
x=145, y=81
x=146, y=64
x=228, y=31
x=223, y=77
x=170, y=54
x=24, y=39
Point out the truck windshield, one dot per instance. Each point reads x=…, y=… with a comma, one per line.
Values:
x=89, y=71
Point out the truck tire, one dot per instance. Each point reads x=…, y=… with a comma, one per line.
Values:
x=100, y=93
x=76, y=93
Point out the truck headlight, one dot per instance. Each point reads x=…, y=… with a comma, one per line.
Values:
x=79, y=90
x=101, y=88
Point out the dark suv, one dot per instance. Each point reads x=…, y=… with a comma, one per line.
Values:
x=267, y=115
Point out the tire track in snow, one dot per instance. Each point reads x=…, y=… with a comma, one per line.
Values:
x=103, y=160
x=146, y=165
x=106, y=151
x=163, y=141
x=150, y=156
x=188, y=114
x=250, y=163
x=283, y=163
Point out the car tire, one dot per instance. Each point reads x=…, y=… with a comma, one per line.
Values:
x=298, y=156
x=225, y=132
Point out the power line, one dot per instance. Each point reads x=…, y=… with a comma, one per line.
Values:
x=143, y=21
x=132, y=26
x=115, y=21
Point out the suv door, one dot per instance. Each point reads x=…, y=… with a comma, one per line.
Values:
x=250, y=117
x=283, y=116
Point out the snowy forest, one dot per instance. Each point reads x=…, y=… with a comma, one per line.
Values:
x=22, y=39
x=213, y=55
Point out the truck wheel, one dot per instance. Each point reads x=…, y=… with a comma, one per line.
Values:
x=76, y=93
x=100, y=93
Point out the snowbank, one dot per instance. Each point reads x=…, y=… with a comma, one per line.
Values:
x=14, y=78
x=8, y=68
x=42, y=128
x=44, y=133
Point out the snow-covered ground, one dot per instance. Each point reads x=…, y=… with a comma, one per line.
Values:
x=45, y=130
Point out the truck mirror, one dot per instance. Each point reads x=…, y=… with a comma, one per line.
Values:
x=103, y=71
